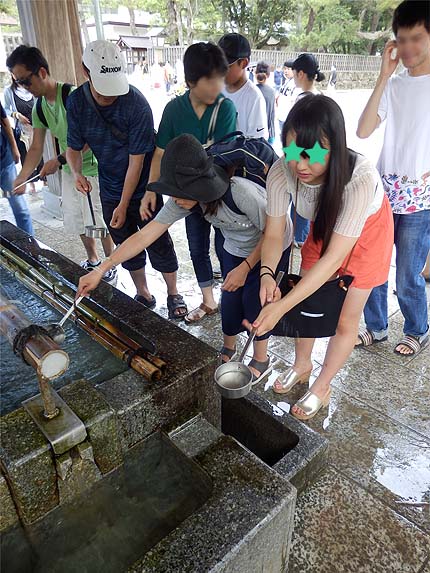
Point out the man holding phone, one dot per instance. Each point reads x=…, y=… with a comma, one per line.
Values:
x=402, y=101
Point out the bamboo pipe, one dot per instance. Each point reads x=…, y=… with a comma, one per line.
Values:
x=111, y=343
x=39, y=351
x=152, y=367
x=69, y=298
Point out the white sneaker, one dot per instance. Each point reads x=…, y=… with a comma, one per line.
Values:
x=109, y=275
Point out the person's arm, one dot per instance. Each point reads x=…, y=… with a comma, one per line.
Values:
x=33, y=157
x=9, y=134
x=338, y=249
x=165, y=133
x=236, y=278
x=76, y=144
x=370, y=119
x=271, y=252
x=135, y=165
x=127, y=250
x=149, y=200
x=10, y=107
x=74, y=161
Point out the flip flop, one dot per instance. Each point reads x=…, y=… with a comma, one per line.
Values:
x=176, y=302
x=414, y=343
x=227, y=352
x=148, y=303
x=207, y=311
x=263, y=368
x=366, y=338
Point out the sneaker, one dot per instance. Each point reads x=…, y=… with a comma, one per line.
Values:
x=109, y=276
x=88, y=265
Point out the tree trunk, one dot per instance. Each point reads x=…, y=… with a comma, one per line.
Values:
x=179, y=25
x=172, y=22
x=132, y=21
x=190, y=22
x=361, y=19
x=373, y=26
x=311, y=21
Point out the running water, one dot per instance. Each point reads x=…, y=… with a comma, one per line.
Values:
x=88, y=359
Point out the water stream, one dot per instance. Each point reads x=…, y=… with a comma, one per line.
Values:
x=88, y=359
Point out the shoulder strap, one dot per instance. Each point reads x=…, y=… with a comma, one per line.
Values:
x=212, y=121
x=65, y=90
x=117, y=133
x=40, y=113
x=228, y=200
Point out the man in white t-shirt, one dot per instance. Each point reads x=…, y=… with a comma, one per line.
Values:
x=287, y=94
x=403, y=102
x=248, y=99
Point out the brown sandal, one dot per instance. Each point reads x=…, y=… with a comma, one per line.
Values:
x=207, y=311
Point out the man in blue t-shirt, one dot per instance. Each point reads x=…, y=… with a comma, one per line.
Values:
x=115, y=120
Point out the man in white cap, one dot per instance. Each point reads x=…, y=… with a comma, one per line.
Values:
x=30, y=69
x=115, y=121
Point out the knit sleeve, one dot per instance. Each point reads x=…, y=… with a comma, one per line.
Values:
x=357, y=200
x=278, y=185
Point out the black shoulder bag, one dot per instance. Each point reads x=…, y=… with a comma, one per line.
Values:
x=318, y=314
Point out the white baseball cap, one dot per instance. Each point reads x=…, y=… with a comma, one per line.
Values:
x=107, y=69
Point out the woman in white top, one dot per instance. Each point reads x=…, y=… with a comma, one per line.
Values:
x=306, y=72
x=342, y=194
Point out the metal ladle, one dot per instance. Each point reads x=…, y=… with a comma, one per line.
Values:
x=56, y=330
x=92, y=231
x=234, y=379
x=7, y=194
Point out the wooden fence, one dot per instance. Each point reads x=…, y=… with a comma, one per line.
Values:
x=342, y=62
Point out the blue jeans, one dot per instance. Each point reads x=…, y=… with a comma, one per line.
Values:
x=17, y=203
x=412, y=241
x=198, y=235
x=302, y=226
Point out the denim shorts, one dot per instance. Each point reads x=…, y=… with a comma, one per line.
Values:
x=245, y=301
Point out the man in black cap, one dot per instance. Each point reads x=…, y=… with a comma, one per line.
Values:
x=249, y=102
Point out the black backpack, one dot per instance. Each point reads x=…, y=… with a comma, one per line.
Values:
x=249, y=157
x=65, y=90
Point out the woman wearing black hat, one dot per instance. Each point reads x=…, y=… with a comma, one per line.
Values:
x=238, y=208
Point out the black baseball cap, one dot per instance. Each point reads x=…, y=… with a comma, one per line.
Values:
x=235, y=47
x=288, y=64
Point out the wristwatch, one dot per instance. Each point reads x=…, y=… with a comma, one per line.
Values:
x=61, y=160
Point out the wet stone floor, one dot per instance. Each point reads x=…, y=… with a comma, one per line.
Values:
x=369, y=511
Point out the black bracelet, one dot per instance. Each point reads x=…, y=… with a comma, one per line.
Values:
x=266, y=267
x=246, y=261
x=264, y=274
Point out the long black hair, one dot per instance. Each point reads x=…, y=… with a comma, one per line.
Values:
x=319, y=118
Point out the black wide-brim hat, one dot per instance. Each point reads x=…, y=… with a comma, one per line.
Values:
x=187, y=172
